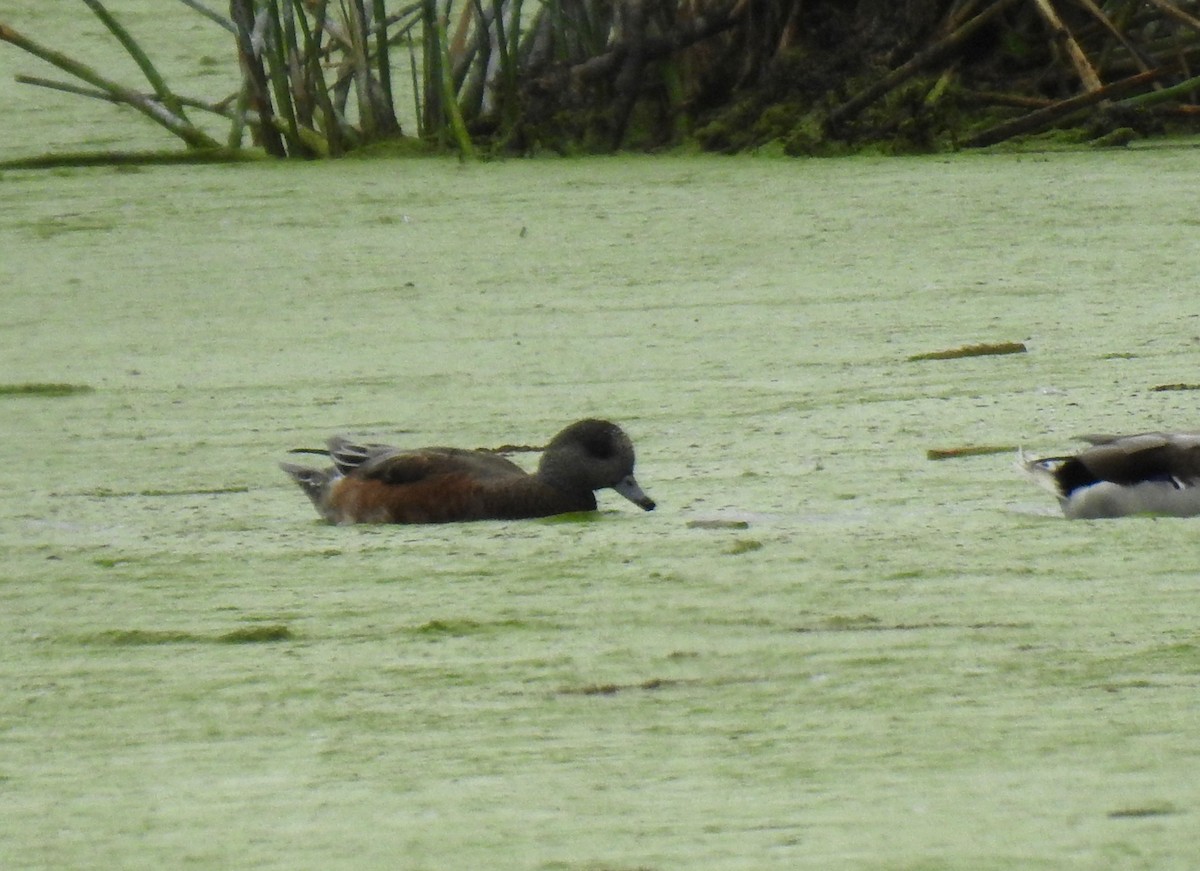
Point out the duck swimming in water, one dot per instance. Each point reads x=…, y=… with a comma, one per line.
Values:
x=1122, y=475
x=382, y=484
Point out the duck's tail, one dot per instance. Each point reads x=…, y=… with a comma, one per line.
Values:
x=1042, y=471
x=314, y=482
x=345, y=454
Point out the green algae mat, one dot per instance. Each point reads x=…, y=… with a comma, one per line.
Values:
x=823, y=650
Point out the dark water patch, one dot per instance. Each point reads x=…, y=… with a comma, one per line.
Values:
x=457, y=628
x=109, y=562
x=968, y=451
x=744, y=545
x=44, y=389
x=1161, y=810
x=992, y=624
x=1162, y=669
x=138, y=637
x=106, y=493
x=869, y=623
x=986, y=349
x=126, y=159
x=572, y=517
x=1179, y=656
x=717, y=523
x=448, y=627
x=611, y=689
x=57, y=225
x=842, y=622
x=1117, y=687
x=158, y=637
x=257, y=634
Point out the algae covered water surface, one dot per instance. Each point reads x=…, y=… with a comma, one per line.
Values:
x=823, y=649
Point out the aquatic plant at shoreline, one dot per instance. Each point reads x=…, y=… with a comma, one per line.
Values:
x=164, y=108
x=299, y=65
x=320, y=79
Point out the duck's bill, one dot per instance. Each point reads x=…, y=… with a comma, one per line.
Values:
x=630, y=490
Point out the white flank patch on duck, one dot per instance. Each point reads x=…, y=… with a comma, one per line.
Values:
x=1118, y=476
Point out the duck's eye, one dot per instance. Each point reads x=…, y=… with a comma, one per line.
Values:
x=601, y=446
x=598, y=439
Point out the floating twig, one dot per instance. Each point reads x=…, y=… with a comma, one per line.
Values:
x=986, y=349
x=968, y=451
x=44, y=389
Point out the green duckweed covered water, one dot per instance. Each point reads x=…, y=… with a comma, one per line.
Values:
x=823, y=650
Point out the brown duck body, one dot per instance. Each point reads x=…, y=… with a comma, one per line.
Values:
x=381, y=484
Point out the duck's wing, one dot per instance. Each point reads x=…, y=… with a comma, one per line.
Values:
x=1097, y=438
x=396, y=466
x=350, y=456
x=1153, y=456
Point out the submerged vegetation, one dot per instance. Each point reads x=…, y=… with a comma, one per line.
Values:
x=969, y=451
x=984, y=349
x=151, y=637
x=323, y=79
x=44, y=389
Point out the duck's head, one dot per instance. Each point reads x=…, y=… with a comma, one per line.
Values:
x=592, y=455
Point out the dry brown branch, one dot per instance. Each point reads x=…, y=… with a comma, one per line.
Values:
x=1107, y=24
x=148, y=106
x=1087, y=74
x=696, y=28
x=936, y=52
x=1173, y=11
x=1042, y=118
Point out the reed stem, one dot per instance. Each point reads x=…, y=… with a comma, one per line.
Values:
x=152, y=109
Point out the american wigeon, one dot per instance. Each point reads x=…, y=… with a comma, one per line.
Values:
x=381, y=484
x=1147, y=473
